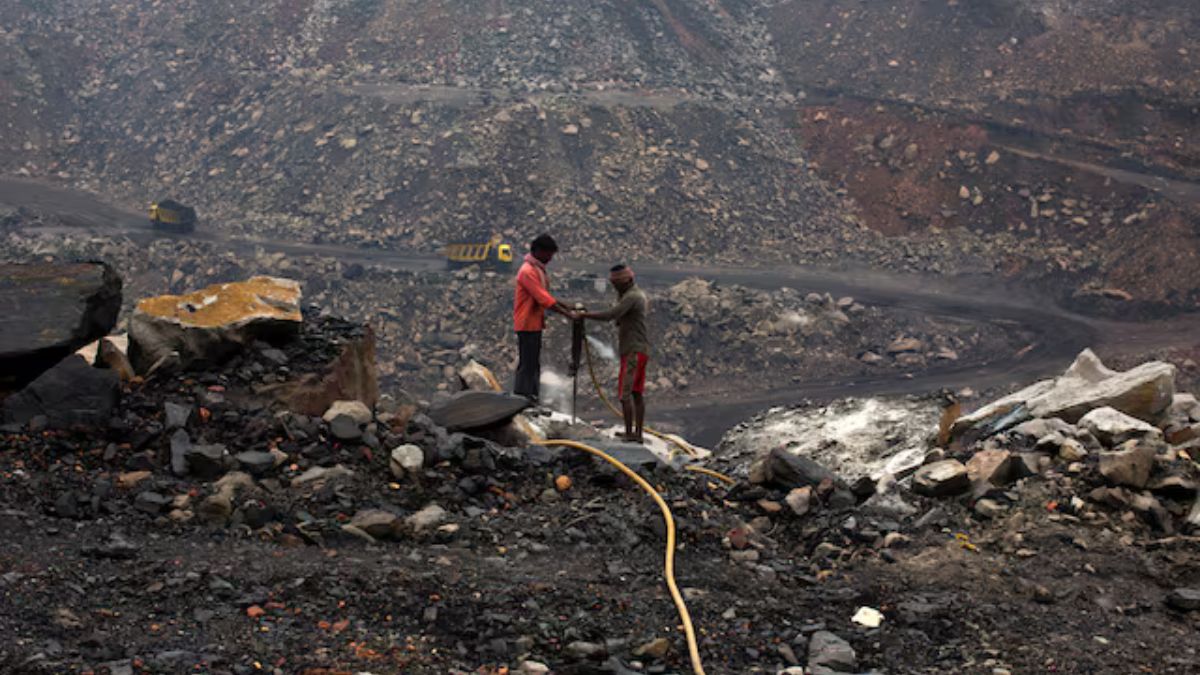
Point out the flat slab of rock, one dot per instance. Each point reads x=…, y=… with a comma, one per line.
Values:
x=941, y=479
x=72, y=393
x=49, y=311
x=1142, y=392
x=208, y=326
x=476, y=409
x=1113, y=427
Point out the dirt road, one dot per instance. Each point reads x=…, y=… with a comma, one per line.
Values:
x=1060, y=334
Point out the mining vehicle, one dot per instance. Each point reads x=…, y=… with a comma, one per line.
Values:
x=171, y=216
x=492, y=254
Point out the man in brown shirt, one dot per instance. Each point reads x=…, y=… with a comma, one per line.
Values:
x=634, y=346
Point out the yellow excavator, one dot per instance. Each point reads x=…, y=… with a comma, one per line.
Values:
x=493, y=254
x=171, y=216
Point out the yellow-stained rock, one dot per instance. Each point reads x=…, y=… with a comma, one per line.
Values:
x=210, y=325
x=220, y=305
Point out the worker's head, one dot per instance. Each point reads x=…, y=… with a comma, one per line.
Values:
x=543, y=248
x=621, y=277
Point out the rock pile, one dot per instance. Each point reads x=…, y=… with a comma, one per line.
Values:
x=1115, y=439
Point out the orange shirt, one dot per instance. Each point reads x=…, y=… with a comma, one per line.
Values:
x=531, y=298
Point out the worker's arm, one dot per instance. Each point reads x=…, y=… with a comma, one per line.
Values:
x=612, y=313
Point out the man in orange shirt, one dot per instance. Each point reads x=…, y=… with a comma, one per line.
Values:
x=530, y=302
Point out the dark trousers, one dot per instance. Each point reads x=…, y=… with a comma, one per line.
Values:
x=529, y=363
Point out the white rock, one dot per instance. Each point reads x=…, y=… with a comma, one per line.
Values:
x=407, y=460
x=1112, y=427
x=867, y=616
x=356, y=410
x=1142, y=392
x=427, y=517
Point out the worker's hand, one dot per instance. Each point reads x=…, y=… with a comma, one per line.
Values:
x=573, y=315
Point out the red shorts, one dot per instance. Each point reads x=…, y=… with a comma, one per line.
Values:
x=637, y=383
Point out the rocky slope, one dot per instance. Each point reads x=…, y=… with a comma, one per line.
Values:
x=203, y=522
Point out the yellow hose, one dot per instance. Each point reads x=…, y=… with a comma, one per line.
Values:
x=669, y=569
x=709, y=472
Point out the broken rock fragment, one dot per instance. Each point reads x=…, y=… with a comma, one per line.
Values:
x=1130, y=464
x=1112, y=427
x=944, y=478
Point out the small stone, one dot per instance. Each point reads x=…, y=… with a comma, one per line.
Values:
x=152, y=502
x=176, y=415
x=129, y=479
x=571, y=130
x=206, y=461
x=406, y=460
x=830, y=651
x=181, y=445
x=989, y=508
x=427, y=517
x=256, y=462
x=533, y=668
x=655, y=649
x=356, y=410
x=769, y=506
x=376, y=522
x=1071, y=450
x=344, y=428
x=1184, y=599
x=747, y=556
x=585, y=650
x=799, y=500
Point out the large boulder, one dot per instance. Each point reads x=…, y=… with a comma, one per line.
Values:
x=50, y=310
x=1143, y=392
x=72, y=393
x=208, y=326
x=476, y=410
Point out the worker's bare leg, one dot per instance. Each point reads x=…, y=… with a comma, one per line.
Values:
x=627, y=414
x=639, y=404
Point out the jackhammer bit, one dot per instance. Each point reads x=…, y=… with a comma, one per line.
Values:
x=578, y=335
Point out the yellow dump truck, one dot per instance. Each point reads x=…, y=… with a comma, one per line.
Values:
x=171, y=216
x=492, y=253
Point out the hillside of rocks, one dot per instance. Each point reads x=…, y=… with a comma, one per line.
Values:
x=819, y=133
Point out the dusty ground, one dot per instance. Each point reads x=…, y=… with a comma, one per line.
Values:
x=1040, y=592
